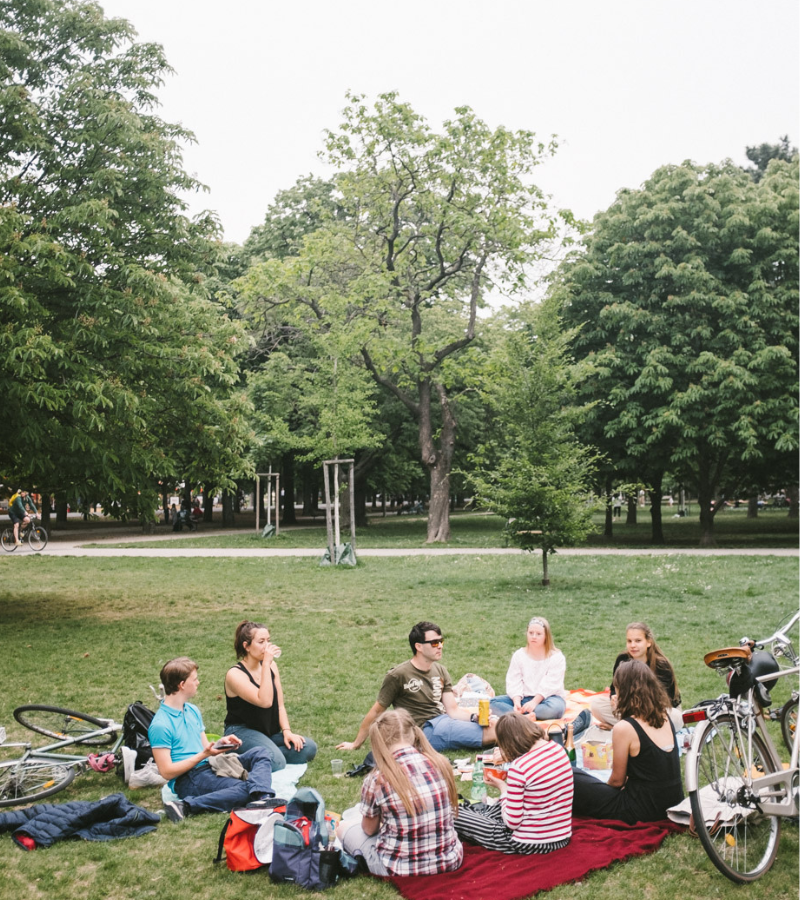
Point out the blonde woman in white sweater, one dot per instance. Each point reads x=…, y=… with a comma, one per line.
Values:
x=535, y=678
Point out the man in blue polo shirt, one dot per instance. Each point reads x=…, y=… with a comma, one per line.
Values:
x=182, y=750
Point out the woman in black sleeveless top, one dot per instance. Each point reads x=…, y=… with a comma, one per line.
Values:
x=646, y=774
x=254, y=697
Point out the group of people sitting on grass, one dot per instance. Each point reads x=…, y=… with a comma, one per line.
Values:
x=411, y=822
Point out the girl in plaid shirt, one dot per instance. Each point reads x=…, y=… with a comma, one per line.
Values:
x=408, y=804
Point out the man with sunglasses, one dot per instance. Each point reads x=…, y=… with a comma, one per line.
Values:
x=423, y=687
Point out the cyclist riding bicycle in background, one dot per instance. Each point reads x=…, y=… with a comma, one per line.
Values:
x=18, y=507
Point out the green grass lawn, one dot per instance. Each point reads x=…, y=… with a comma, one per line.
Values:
x=772, y=528
x=92, y=634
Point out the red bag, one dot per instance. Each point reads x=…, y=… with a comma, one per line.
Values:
x=246, y=839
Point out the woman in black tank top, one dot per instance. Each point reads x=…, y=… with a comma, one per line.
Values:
x=254, y=697
x=646, y=775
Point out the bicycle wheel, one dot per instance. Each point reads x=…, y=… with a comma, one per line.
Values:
x=789, y=722
x=8, y=540
x=24, y=780
x=58, y=723
x=738, y=838
x=37, y=538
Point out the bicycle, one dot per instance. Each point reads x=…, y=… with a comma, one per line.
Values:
x=43, y=771
x=32, y=532
x=738, y=788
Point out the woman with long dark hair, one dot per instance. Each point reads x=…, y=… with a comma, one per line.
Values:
x=646, y=774
x=408, y=804
x=640, y=644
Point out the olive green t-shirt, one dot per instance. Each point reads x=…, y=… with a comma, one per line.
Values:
x=420, y=693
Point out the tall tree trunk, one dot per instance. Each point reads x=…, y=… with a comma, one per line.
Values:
x=655, y=508
x=545, y=576
x=608, y=530
x=165, y=503
x=208, y=504
x=360, y=490
x=438, y=460
x=705, y=497
x=228, y=518
x=631, y=518
x=287, y=484
x=61, y=508
x=752, y=507
x=792, y=496
x=45, y=511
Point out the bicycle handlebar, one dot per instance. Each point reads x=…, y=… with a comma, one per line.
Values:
x=779, y=635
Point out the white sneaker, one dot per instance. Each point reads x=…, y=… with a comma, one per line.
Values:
x=146, y=777
x=128, y=763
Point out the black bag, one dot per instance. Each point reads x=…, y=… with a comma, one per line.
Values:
x=134, y=732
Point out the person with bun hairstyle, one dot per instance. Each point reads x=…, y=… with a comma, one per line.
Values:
x=408, y=804
x=534, y=814
x=646, y=773
x=254, y=699
x=641, y=645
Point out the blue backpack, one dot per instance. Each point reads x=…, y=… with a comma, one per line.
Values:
x=303, y=851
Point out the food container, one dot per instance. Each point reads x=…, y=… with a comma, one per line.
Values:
x=597, y=754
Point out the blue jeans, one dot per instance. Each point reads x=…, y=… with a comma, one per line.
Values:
x=445, y=733
x=279, y=753
x=552, y=707
x=203, y=791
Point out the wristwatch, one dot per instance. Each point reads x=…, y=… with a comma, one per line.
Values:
x=473, y=718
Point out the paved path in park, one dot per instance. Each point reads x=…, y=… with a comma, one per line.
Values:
x=72, y=545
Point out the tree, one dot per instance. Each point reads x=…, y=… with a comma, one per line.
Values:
x=114, y=367
x=533, y=470
x=428, y=222
x=686, y=297
x=761, y=155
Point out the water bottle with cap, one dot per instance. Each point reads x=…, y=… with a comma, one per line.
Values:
x=478, y=793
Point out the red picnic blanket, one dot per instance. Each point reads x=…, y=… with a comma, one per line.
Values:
x=489, y=875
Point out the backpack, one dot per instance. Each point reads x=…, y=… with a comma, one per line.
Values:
x=134, y=732
x=246, y=841
x=303, y=851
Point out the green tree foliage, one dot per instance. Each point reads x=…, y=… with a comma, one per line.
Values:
x=114, y=367
x=533, y=470
x=761, y=154
x=686, y=298
x=427, y=222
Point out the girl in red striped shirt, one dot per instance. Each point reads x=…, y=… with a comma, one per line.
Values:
x=534, y=814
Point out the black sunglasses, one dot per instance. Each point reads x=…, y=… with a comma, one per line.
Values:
x=436, y=642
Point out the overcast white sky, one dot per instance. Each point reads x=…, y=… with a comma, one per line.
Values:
x=628, y=85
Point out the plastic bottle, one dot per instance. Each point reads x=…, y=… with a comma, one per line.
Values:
x=478, y=793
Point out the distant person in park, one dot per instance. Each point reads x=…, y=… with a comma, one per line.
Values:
x=197, y=511
x=646, y=773
x=423, y=687
x=408, y=804
x=182, y=751
x=617, y=506
x=641, y=645
x=254, y=700
x=534, y=814
x=19, y=506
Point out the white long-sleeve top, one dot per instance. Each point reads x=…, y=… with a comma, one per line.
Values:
x=528, y=677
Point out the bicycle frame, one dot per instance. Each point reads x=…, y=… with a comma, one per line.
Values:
x=776, y=793
x=48, y=751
